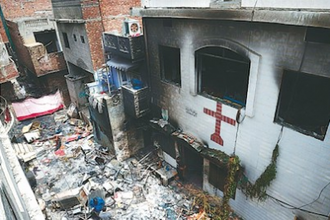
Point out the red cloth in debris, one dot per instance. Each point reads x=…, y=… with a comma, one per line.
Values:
x=60, y=152
x=31, y=107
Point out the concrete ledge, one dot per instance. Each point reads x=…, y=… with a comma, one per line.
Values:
x=26, y=196
x=320, y=18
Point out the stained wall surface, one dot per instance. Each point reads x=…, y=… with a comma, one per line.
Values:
x=302, y=169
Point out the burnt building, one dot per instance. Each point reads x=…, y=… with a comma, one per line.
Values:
x=30, y=35
x=239, y=78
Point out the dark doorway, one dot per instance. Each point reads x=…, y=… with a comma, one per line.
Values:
x=193, y=162
x=48, y=39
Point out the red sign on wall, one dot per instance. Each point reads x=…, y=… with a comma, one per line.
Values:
x=218, y=117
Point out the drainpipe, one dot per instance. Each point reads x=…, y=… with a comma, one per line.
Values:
x=4, y=23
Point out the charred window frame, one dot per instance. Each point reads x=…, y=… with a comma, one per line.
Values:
x=218, y=176
x=303, y=104
x=66, y=40
x=223, y=74
x=170, y=66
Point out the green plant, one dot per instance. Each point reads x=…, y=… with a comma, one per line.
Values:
x=230, y=187
x=259, y=188
x=209, y=204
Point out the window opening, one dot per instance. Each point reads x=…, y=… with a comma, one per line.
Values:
x=48, y=39
x=123, y=77
x=74, y=37
x=66, y=40
x=223, y=74
x=170, y=64
x=318, y=35
x=302, y=103
x=82, y=39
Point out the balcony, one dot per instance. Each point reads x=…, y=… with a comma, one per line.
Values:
x=131, y=48
x=43, y=62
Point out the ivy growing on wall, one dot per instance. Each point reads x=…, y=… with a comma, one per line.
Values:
x=230, y=187
x=259, y=188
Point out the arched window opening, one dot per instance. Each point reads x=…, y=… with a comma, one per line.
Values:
x=223, y=75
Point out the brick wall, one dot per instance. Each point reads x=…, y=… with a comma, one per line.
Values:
x=104, y=15
x=114, y=13
x=56, y=81
x=3, y=33
x=44, y=63
x=21, y=51
x=8, y=72
x=16, y=9
x=94, y=28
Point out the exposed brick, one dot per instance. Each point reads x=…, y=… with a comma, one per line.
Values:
x=54, y=81
x=21, y=52
x=17, y=9
x=8, y=72
x=104, y=15
x=114, y=13
x=44, y=63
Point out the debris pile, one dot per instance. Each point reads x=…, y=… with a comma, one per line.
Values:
x=70, y=172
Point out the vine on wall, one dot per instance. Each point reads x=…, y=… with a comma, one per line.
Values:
x=258, y=189
x=230, y=187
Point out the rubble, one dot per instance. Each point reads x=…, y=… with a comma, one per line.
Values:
x=70, y=169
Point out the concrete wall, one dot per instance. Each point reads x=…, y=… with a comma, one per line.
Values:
x=175, y=3
x=13, y=181
x=79, y=53
x=66, y=9
x=271, y=48
x=97, y=17
x=303, y=4
x=294, y=4
x=27, y=27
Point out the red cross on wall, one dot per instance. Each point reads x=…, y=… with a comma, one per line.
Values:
x=218, y=117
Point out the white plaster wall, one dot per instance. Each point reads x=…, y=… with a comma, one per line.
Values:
x=28, y=26
x=303, y=164
x=294, y=4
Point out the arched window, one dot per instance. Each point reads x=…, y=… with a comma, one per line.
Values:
x=223, y=75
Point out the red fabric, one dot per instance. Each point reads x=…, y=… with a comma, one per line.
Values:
x=32, y=108
x=60, y=152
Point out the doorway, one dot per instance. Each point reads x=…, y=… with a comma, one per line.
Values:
x=193, y=161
